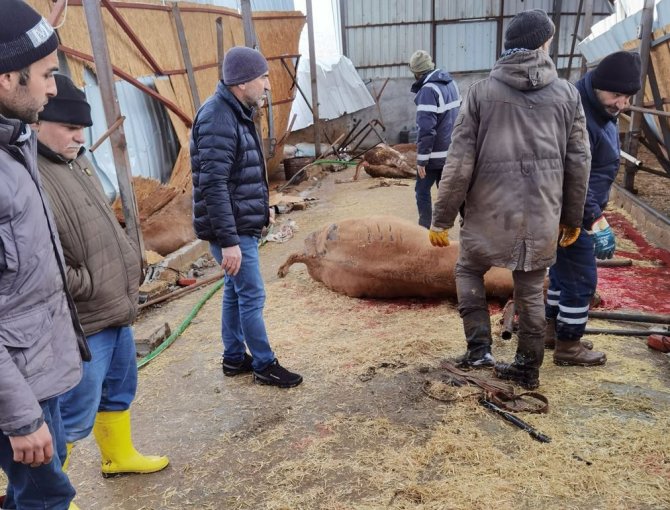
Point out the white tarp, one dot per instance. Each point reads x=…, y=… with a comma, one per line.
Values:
x=340, y=90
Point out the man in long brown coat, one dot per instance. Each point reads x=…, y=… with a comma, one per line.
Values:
x=518, y=171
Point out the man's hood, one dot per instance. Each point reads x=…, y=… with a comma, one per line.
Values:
x=436, y=76
x=525, y=70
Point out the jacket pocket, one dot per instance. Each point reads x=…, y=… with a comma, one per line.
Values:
x=9, y=260
x=28, y=340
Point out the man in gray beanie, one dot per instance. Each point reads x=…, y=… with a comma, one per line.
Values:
x=231, y=207
x=517, y=171
x=605, y=92
x=41, y=341
x=437, y=101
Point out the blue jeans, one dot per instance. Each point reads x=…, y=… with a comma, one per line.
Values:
x=108, y=382
x=572, y=283
x=423, y=200
x=242, y=322
x=46, y=486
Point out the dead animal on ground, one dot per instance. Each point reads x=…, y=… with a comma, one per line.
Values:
x=385, y=161
x=386, y=257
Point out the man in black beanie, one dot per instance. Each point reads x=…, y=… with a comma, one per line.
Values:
x=103, y=269
x=605, y=92
x=517, y=170
x=231, y=207
x=41, y=342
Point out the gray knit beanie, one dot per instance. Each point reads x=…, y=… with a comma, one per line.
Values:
x=25, y=36
x=420, y=62
x=529, y=30
x=242, y=64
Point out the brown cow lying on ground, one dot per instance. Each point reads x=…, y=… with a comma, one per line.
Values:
x=385, y=161
x=386, y=257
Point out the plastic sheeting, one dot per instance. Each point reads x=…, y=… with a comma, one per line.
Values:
x=152, y=144
x=340, y=91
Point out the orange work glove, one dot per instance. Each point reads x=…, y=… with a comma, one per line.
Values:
x=567, y=235
x=438, y=237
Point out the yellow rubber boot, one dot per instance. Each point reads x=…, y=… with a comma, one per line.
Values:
x=112, y=433
x=73, y=507
x=66, y=464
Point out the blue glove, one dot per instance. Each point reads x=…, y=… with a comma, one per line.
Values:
x=603, y=239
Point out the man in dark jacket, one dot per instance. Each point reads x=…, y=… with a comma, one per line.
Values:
x=605, y=92
x=518, y=169
x=437, y=101
x=103, y=271
x=231, y=207
x=39, y=331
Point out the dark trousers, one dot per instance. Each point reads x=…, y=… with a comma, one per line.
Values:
x=422, y=189
x=528, y=300
x=46, y=486
x=572, y=284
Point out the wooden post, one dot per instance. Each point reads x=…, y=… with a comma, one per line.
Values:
x=247, y=20
x=220, y=52
x=103, y=70
x=632, y=141
x=586, y=28
x=558, y=7
x=176, y=14
x=312, y=74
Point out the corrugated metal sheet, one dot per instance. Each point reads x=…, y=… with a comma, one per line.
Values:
x=613, y=32
x=381, y=51
x=466, y=46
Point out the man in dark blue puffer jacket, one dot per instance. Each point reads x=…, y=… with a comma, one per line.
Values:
x=605, y=92
x=231, y=207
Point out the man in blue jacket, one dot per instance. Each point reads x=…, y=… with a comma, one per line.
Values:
x=605, y=92
x=231, y=207
x=437, y=102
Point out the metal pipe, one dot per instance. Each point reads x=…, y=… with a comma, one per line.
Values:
x=630, y=316
x=508, y=320
x=624, y=332
x=312, y=74
x=183, y=45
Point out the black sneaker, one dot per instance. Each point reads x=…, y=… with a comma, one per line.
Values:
x=276, y=375
x=231, y=369
x=468, y=361
x=525, y=377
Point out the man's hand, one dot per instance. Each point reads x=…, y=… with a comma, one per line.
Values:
x=34, y=449
x=438, y=237
x=232, y=259
x=421, y=171
x=603, y=239
x=567, y=235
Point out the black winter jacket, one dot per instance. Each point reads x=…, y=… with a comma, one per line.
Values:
x=230, y=186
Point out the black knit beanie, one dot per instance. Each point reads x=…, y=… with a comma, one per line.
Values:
x=529, y=30
x=68, y=106
x=618, y=72
x=25, y=36
x=242, y=64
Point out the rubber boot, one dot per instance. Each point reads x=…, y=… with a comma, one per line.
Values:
x=112, y=433
x=572, y=352
x=66, y=462
x=477, y=327
x=73, y=506
x=550, y=336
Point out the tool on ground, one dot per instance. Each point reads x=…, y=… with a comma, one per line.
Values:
x=516, y=421
x=509, y=311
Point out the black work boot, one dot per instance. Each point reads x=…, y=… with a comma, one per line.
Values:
x=524, y=376
x=477, y=326
x=276, y=375
x=550, y=337
x=573, y=352
x=231, y=369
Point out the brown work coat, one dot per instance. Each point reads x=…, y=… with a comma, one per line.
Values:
x=103, y=266
x=518, y=164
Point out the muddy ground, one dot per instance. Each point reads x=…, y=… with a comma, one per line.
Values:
x=360, y=433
